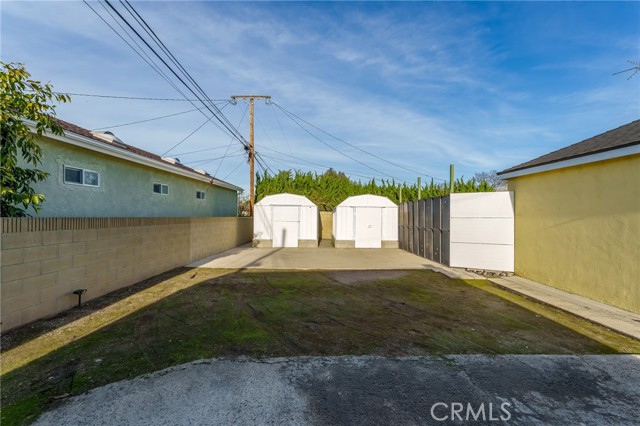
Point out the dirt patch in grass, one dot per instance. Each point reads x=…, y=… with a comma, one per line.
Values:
x=355, y=277
x=191, y=314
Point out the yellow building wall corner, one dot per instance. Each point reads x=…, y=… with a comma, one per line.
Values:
x=578, y=229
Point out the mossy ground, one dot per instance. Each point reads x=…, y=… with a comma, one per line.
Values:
x=190, y=314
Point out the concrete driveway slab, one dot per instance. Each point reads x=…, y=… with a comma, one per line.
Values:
x=325, y=258
x=348, y=390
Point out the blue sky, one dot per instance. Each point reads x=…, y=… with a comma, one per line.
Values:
x=423, y=84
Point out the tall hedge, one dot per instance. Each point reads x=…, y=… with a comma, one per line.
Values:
x=329, y=189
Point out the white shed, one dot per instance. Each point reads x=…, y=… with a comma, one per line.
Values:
x=366, y=221
x=285, y=220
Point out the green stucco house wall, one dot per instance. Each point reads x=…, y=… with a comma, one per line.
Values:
x=93, y=177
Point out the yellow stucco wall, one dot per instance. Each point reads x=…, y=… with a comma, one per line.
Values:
x=578, y=229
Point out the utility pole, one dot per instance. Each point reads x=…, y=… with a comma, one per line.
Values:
x=252, y=195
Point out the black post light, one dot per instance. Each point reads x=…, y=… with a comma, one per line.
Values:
x=80, y=292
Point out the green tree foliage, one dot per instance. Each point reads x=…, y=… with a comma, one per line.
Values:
x=329, y=189
x=22, y=98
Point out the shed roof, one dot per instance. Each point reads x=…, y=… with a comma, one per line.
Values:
x=621, y=137
x=367, y=200
x=285, y=200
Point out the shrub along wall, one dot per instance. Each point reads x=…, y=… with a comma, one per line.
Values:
x=45, y=259
x=329, y=189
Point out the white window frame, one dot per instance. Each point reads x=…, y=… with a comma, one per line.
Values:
x=201, y=195
x=83, y=170
x=162, y=185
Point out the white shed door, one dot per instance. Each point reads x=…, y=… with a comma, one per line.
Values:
x=368, y=227
x=286, y=224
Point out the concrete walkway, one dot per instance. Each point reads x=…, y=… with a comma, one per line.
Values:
x=625, y=322
x=434, y=390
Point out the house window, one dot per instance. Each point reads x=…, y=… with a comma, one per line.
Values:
x=200, y=195
x=160, y=188
x=78, y=176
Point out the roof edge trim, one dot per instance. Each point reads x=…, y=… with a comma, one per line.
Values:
x=576, y=161
x=103, y=148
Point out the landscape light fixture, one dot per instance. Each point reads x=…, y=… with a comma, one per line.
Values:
x=80, y=292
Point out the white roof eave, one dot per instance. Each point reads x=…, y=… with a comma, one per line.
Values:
x=585, y=159
x=103, y=148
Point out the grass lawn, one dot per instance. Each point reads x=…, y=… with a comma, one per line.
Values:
x=189, y=314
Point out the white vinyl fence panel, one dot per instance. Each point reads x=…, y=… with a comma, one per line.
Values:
x=467, y=230
x=482, y=231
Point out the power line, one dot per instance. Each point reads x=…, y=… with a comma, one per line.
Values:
x=192, y=86
x=635, y=68
x=143, y=23
x=288, y=164
x=159, y=118
x=263, y=164
x=231, y=141
x=281, y=129
x=234, y=169
x=324, y=167
x=187, y=137
x=297, y=158
x=135, y=98
x=148, y=59
x=201, y=163
x=263, y=129
x=263, y=161
x=267, y=134
x=252, y=154
x=291, y=117
x=201, y=150
x=219, y=116
x=143, y=40
x=207, y=102
x=217, y=113
x=149, y=119
x=151, y=62
x=355, y=146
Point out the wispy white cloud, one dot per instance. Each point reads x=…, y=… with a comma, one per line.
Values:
x=421, y=84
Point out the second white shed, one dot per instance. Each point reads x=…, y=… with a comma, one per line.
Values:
x=285, y=220
x=365, y=221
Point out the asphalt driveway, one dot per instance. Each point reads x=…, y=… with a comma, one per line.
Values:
x=475, y=389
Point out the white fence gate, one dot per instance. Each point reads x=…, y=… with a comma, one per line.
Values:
x=467, y=230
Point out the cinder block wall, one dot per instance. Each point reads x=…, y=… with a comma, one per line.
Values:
x=326, y=222
x=44, y=259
